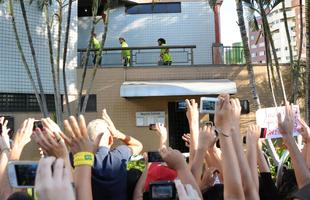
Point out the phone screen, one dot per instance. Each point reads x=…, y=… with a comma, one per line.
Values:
x=26, y=174
x=154, y=156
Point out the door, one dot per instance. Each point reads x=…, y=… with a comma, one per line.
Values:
x=178, y=125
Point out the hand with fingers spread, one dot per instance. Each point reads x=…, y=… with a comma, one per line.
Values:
x=53, y=184
x=207, y=138
x=4, y=136
x=286, y=125
x=161, y=131
x=186, y=191
x=305, y=131
x=77, y=137
x=192, y=112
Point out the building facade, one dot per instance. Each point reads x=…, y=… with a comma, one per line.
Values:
x=277, y=27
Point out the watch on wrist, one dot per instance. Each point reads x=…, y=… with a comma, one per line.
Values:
x=219, y=131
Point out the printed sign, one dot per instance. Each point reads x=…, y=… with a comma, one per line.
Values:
x=267, y=118
x=147, y=118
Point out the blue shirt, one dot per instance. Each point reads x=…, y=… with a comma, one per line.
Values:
x=109, y=173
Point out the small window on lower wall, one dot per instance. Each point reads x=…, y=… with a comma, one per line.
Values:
x=91, y=103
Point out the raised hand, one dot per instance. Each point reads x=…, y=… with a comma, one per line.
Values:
x=207, y=137
x=223, y=113
x=192, y=112
x=286, y=125
x=186, y=191
x=4, y=136
x=161, y=131
x=253, y=133
x=53, y=184
x=187, y=139
x=305, y=130
x=78, y=138
x=23, y=134
x=174, y=158
x=115, y=133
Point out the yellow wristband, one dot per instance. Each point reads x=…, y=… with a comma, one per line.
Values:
x=83, y=158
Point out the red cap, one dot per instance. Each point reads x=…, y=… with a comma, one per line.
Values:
x=159, y=172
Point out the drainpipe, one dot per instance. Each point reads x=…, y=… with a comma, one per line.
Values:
x=217, y=46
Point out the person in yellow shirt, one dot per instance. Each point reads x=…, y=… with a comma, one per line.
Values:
x=95, y=44
x=165, y=57
x=125, y=53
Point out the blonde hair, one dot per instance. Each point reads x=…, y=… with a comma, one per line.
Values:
x=95, y=127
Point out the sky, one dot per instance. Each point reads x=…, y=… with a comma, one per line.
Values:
x=229, y=29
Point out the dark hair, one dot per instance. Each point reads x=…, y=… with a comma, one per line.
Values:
x=121, y=38
x=161, y=40
x=19, y=196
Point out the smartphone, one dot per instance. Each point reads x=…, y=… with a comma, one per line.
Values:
x=207, y=105
x=163, y=190
x=38, y=124
x=154, y=156
x=152, y=127
x=22, y=174
x=181, y=105
x=263, y=132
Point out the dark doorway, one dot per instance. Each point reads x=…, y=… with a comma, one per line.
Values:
x=178, y=125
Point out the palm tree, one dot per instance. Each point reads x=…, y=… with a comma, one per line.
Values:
x=34, y=57
x=27, y=68
x=54, y=72
x=307, y=20
x=103, y=39
x=65, y=57
x=95, y=4
x=247, y=54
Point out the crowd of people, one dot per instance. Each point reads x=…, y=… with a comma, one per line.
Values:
x=79, y=162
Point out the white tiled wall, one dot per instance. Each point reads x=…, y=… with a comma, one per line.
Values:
x=194, y=26
x=13, y=76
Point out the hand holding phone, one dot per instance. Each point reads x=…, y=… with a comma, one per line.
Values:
x=22, y=173
x=154, y=156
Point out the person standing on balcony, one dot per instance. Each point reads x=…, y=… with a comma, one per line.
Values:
x=165, y=57
x=95, y=44
x=125, y=53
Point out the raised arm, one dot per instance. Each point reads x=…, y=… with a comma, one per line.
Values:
x=286, y=127
x=205, y=141
x=192, y=115
x=134, y=144
x=176, y=161
x=305, y=132
x=261, y=160
x=253, y=133
x=161, y=131
x=246, y=175
x=231, y=171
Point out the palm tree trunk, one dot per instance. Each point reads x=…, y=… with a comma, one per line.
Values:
x=269, y=36
x=85, y=60
x=58, y=95
x=307, y=20
x=65, y=57
x=104, y=37
x=20, y=49
x=54, y=72
x=301, y=36
x=33, y=53
x=269, y=66
x=247, y=54
x=294, y=90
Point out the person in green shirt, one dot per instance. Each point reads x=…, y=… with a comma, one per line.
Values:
x=165, y=57
x=125, y=53
x=95, y=44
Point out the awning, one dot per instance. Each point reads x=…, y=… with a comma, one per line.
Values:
x=177, y=88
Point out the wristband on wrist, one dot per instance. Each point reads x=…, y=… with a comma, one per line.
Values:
x=219, y=131
x=83, y=158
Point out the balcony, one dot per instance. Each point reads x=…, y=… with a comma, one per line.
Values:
x=140, y=56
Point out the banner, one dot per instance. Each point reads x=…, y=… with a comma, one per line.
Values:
x=267, y=118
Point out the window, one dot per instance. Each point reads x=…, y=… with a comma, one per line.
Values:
x=262, y=53
x=152, y=8
x=262, y=44
x=253, y=55
x=14, y=102
x=91, y=103
x=252, y=37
